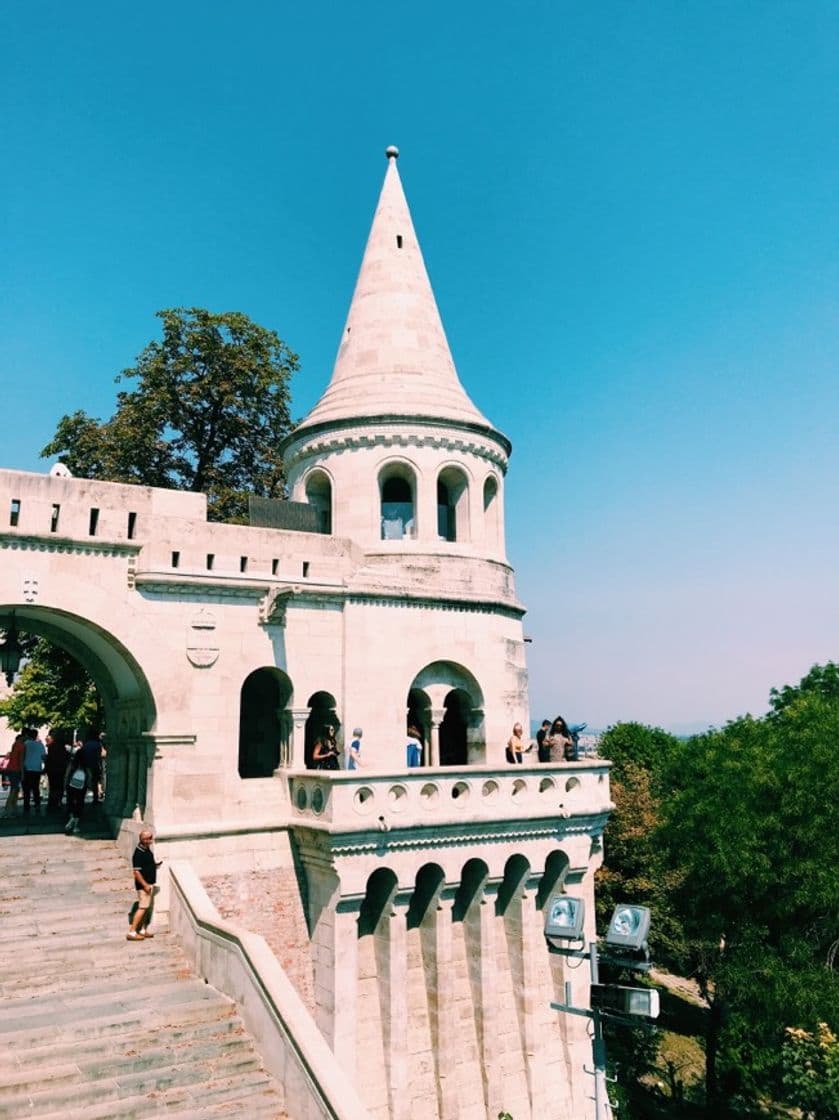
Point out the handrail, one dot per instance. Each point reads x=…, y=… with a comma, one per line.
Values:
x=289, y=1041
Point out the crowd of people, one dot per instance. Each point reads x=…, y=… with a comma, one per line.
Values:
x=70, y=768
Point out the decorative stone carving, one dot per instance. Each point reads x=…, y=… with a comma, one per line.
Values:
x=201, y=643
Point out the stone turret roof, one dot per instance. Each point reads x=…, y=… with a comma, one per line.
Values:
x=394, y=359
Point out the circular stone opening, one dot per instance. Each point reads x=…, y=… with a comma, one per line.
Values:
x=398, y=798
x=429, y=795
x=490, y=790
x=460, y=791
x=301, y=800
x=546, y=785
x=363, y=799
x=572, y=783
x=318, y=800
x=519, y=787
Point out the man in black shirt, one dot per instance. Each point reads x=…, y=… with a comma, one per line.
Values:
x=145, y=876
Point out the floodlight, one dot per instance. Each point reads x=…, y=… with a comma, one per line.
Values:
x=564, y=918
x=628, y=1001
x=628, y=927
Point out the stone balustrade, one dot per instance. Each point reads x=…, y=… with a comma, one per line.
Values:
x=366, y=800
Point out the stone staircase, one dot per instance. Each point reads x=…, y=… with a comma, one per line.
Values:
x=94, y=1027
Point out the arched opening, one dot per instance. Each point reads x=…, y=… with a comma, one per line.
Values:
x=397, y=494
x=265, y=724
x=556, y=868
x=428, y=883
x=454, y=749
x=516, y=872
x=322, y=714
x=124, y=706
x=473, y=876
x=319, y=496
x=452, y=505
x=492, y=520
x=419, y=714
x=448, y=702
x=379, y=892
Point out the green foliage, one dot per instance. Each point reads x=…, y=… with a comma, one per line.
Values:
x=633, y=870
x=649, y=747
x=810, y=1062
x=51, y=689
x=208, y=413
x=822, y=680
x=751, y=828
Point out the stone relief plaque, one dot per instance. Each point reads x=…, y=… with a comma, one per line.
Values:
x=201, y=642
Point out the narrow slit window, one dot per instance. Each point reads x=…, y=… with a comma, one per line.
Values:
x=176, y=559
x=56, y=511
x=132, y=525
x=275, y=567
x=14, y=512
x=243, y=563
x=305, y=568
x=211, y=559
x=399, y=241
x=94, y=522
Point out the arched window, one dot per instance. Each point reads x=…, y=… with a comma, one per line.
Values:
x=396, y=485
x=452, y=505
x=491, y=508
x=319, y=496
x=265, y=725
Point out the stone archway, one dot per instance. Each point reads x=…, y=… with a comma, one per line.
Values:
x=322, y=713
x=265, y=723
x=129, y=707
x=448, y=697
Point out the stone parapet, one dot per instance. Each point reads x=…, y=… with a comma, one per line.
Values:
x=367, y=802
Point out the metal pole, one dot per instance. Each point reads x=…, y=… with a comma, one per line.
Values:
x=602, y=1110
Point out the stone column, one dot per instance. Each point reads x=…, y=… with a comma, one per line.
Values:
x=334, y=924
x=437, y=716
x=298, y=746
x=392, y=969
x=527, y=953
x=476, y=747
x=483, y=977
x=436, y=941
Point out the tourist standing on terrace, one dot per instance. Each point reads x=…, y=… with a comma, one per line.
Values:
x=354, y=753
x=515, y=745
x=558, y=738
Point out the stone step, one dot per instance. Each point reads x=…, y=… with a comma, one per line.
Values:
x=68, y=1010
x=60, y=958
x=211, y=1007
x=221, y=1023
x=92, y=980
x=251, y=1096
x=129, y=1082
x=119, y=1063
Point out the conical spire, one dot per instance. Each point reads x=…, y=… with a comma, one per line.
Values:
x=394, y=359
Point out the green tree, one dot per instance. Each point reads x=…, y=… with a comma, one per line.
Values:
x=751, y=826
x=208, y=412
x=810, y=1061
x=51, y=689
x=822, y=680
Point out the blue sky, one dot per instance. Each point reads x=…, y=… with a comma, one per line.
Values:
x=629, y=215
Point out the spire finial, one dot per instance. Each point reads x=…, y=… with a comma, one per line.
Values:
x=392, y=152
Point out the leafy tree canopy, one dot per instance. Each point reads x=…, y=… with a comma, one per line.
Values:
x=752, y=825
x=52, y=689
x=208, y=412
x=822, y=680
